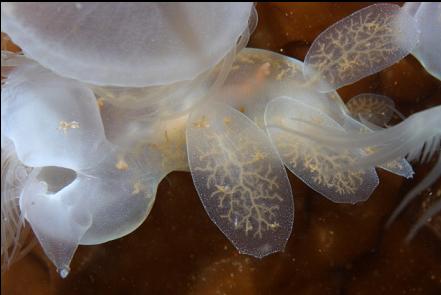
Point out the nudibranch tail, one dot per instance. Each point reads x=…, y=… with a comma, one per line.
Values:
x=373, y=110
x=322, y=167
x=398, y=141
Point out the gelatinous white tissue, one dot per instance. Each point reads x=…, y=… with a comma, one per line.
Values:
x=240, y=179
x=51, y=120
x=428, y=18
x=398, y=166
x=85, y=182
x=367, y=41
x=258, y=76
x=321, y=167
x=134, y=44
x=373, y=111
x=85, y=190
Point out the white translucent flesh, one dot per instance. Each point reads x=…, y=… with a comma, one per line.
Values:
x=240, y=179
x=173, y=99
x=411, y=7
x=52, y=121
x=399, y=166
x=359, y=45
x=152, y=111
x=428, y=51
x=56, y=220
x=125, y=43
x=92, y=207
x=321, y=167
x=123, y=189
x=418, y=137
x=377, y=109
x=258, y=76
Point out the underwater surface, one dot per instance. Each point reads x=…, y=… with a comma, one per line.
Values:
x=333, y=249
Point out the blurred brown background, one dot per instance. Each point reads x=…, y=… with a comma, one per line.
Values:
x=334, y=249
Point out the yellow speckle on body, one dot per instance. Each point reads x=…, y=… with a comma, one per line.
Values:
x=201, y=123
x=100, y=102
x=136, y=188
x=274, y=225
x=258, y=156
x=63, y=125
x=121, y=165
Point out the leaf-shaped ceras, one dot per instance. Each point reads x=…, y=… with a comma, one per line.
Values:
x=375, y=108
x=240, y=179
x=359, y=45
x=322, y=167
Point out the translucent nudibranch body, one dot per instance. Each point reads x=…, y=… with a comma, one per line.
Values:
x=428, y=19
x=139, y=45
x=93, y=128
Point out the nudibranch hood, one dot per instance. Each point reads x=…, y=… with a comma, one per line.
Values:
x=134, y=44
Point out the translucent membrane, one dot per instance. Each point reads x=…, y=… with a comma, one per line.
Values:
x=99, y=204
x=258, y=76
x=86, y=190
x=397, y=166
x=240, y=179
x=373, y=111
x=375, y=108
x=359, y=45
x=428, y=51
x=52, y=121
x=321, y=167
x=133, y=113
x=126, y=44
x=417, y=138
x=167, y=100
x=411, y=7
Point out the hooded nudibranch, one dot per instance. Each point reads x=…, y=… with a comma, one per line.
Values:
x=176, y=99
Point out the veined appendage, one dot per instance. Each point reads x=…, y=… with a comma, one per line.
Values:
x=359, y=45
x=373, y=111
x=240, y=179
x=417, y=138
x=322, y=167
x=373, y=108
